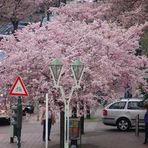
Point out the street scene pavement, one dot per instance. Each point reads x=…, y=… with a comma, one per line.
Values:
x=96, y=135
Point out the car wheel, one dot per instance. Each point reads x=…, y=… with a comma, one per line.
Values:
x=123, y=124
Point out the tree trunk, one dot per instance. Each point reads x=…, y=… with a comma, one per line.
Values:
x=88, y=112
x=82, y=124
x=74, y=112
x=47, y=12
x=41, y=23
x=48, y=16
x=15, y=25
x=82, y=118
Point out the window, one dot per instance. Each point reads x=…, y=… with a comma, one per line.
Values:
x=118, y=105
x=134, y=105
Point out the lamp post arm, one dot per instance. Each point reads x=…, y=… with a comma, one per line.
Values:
x=54, y=82
x=71, y=93
x=62, y=92
x=76, y=82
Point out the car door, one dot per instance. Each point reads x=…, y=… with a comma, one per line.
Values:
x=133, y=109
x=116, y=110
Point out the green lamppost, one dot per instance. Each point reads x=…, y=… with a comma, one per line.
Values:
x=77, y=69
x=56, y=70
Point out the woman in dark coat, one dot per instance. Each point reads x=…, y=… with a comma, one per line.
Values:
x=146, y=124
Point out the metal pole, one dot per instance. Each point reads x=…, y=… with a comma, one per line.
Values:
x=67, y=102
x=46, y=146
x=65, y=116
x=19, y=122
x=68, y=123
x=65, y=127
x=62, y=129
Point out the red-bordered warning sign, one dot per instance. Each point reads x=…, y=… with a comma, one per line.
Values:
x=18, y=88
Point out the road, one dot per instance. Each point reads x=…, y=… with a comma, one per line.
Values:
x=96, y=135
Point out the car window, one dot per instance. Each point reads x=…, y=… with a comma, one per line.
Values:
x=134, y=105
x=118, y=105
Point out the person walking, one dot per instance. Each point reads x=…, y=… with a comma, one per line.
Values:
x=128, y=91
x=51, y=121
x=137, y=92
x=146, y=124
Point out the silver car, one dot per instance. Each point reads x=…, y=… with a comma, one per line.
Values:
x=123, y=113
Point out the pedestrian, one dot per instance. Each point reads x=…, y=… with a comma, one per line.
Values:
x=146, y=123
x=51, y=121
x=128, y=91
x=137, y=92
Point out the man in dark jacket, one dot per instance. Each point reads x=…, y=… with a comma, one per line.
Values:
x=146, y=126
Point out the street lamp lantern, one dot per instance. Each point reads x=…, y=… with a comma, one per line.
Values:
x=56, y=70
x=77, y=69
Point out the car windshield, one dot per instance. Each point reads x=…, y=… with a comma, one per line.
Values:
x=118, y=105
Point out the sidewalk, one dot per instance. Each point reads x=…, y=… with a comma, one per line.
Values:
x=96, y=135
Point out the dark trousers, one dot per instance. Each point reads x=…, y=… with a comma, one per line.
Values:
x=146, y=133
x=44, y=129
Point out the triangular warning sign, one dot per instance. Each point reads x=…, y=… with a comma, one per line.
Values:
x=18, y=88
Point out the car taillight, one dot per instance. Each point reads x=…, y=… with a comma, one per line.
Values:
x=104, y=112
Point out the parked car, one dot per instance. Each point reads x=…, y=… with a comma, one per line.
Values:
x=4, y=118
x=123, y=113
x=28, y=109
x=4, y=115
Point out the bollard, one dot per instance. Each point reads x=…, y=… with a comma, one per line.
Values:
x=137, y=125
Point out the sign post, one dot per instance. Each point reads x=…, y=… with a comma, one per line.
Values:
x=19, y=123
x=46, y=133
x=18, y=89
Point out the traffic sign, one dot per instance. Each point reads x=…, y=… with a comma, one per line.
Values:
x=18, y=88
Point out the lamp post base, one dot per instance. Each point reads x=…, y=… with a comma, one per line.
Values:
x=74, y=144
x=11, y=140
x=66, y=145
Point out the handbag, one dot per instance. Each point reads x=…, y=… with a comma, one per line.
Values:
x=42, y=118
x=53, y=121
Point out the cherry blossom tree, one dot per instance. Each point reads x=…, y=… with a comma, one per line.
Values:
x=106, y=49
x=16, y=10
x=123, y=12
x=2, y=2
x=128, y=12
x=87, y=12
